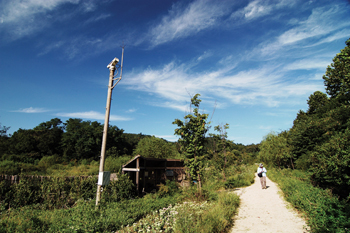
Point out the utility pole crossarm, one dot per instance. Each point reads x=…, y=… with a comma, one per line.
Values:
x=121, y=69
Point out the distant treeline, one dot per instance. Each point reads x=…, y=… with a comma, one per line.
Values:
x=74, y=139
x=57, y=142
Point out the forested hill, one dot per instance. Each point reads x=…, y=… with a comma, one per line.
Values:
x=319, y=141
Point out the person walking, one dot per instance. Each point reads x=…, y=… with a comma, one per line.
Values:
x=262, y=175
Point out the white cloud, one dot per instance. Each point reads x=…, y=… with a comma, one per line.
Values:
x=259, y=8
x=32, y=110
x=181, y=23
x=93, y=115
x=308, y=64
x=256, y=9
x=323, y=22
x=132, y=110
x=334, y=36
x=22, y=18
x=54, y=46
x=264, y=85
x=18, y=10
x=205, y=55
x=98, y=18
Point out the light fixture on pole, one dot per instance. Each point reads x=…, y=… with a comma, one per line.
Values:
x=103, y=177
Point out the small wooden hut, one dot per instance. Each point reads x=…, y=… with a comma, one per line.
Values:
x=148, y=173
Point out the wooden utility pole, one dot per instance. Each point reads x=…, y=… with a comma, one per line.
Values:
x=112, y=67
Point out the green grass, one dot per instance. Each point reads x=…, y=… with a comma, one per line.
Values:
x=323, y=211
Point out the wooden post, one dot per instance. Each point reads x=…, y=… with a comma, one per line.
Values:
x=138, y=175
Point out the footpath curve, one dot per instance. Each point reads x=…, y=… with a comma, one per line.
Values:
x=265, y=210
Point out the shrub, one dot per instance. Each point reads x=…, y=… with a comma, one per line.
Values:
x=242, y=176
x=118, y=190
x=9, y=167
x=170, y=188
x=47, y=161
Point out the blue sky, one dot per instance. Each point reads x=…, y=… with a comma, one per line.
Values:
x=255, y=63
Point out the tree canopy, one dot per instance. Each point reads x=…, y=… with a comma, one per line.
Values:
x=337, y=77
x=153, y=147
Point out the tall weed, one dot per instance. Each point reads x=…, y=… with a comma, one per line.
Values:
x=240, y=176
x=83, y=217
x=191, y=217
x=61, y=192
x=324, y=212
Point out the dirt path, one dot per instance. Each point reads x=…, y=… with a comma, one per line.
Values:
x=264, y=210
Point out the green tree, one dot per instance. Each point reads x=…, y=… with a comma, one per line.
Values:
x=116, y=141
x=3, y=131
x=331, y=164
x=337, y=77
x=24, y=143
x=274, y=149
x=220, y=147
x=192, y=138
x=48, y=136
x=82, y=139
x=153, y=147
x=317, y=103
x=4, y=140
x=131, y=141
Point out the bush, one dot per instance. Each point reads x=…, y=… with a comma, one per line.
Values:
x=121, y=189
x=9, y=167
x=47, y=161
x=170, y=188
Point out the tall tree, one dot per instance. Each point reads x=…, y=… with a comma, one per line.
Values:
x=337, y=77
x=82, y=139
x=317, y=103
x=24, y=143
x=192, y=138
x=4, y=139
x=48, y=136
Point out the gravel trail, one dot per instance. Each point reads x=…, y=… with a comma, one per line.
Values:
x=264, y=210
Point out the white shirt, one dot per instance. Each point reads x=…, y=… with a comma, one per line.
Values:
x=263, y=170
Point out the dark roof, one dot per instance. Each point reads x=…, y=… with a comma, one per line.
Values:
x=153, y=162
